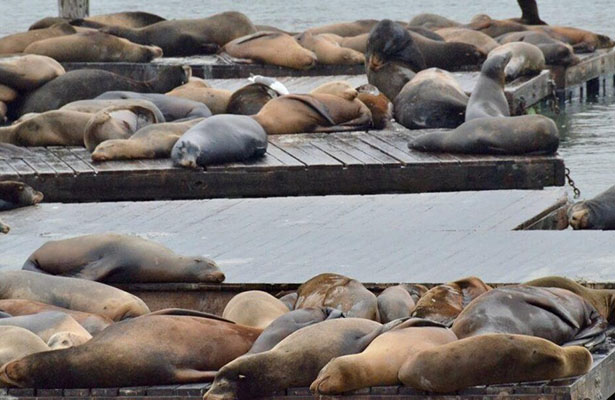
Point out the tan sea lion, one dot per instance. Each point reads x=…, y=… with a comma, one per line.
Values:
x=503, y=359
x=482, y=41
x=51, y=128
x=16, y=342
x=379, y=105
x=130, y=19
x=111, y=257
x=29, y=71
x=152, y=141
x=582, y=41
x=93, y=47
x=15, y=194
x=395, y=302
x=72, y=293
x=329, y=51
x=555, y=51
x=7, y=94
x=149, y=350
x=379, y=363
x=432, y=21
x=254, y=308
x=49, y=323
x=443, y=303
x=357, y=43
x=271, y=48
x=493, y=27
x=488, y=98
x=338, y=291
x=337, y=88
x=346, y=28
x=95, y=105
x=18, y=42
x=250, y=99
x=527, y=59
x=198, y=90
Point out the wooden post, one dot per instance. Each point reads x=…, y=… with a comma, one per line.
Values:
x=74, y=8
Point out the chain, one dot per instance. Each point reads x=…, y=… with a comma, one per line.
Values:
x=577, y=192
x=554, y=99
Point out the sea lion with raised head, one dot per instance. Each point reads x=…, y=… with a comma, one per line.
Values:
x=254, y=308
x=51, y=128
x=526, y=59
x=196, y=89
x=28, y=71
x=595, y=213
x=15, y=194
x=488, y=98
x=49, y=323
x=16, y=342
x=18, y=42
x=378, y=104
x=329, y=51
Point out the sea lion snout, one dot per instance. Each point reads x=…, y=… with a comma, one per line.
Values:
x=579, y=218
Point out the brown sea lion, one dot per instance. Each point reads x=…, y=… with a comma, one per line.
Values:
x=444, y=303
x=116, y=258
x=7, y=93
x=186, y=37
x=93, y=47
x=329, y=51
x=493, y=27
x=15, y=194
x=482, y=42
x=312, y=113
x=129, y=19
x=149, y=350
x=596, y=213
x=254, y=308
x=357, y=43
x=379, y=105
x=503, y=359
x=488, y=98
x=294, y=362
x=250, y=99
x=337, y=88
x=95, y=105
x=338, y=291
x=18, y=42
x=93, y=323
x=582, y=41
x=271, y=48
x=51, y=128
x=346, y=28
x=554, y=314
x=16, y=342
x=27, y=72
x=555, y=51
x=433, y=21
x=197, y=89
x=526, y=59
x=152, y=141
x=395, y=302
x=49, y=323
x=379, y=363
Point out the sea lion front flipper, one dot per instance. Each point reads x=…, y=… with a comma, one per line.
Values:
x=315, y=104
x=189, y=313
x=187, y=375
x=257, y=35
x=97, y=271
x=225, y=58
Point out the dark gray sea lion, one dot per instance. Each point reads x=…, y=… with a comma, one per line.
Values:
x=186, y=37
x=219, y=139
x=526, y=59
x=88, y=83
x=493, y=27
x=596, y=213
x=389, y=77
x=173, y=108
x=290, y=322
x=295, y=361
x=503, y=359
x=432, y=21
x=18, y=42
x=554, y=314
x=395, y=302
x=72, y=293
x=249, y=99
x=51, y=128
x=14, y=194
x=271, y=48
x=254, y=308
x=529, y=13
x=488, y=98
x=16, y=342
x=149, y=350
x=526, y=134
x=120, y=258
x=555, y=51
x=28, y=71
x=49, y=323
x=432, y=99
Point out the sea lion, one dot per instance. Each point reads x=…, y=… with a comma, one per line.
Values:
x=254, y=308
x=7, y=94
x=149, y=350
x=72, y=293
x=186, y=37
x=582, y=41
x=129, y=19
x=249, y=99
x=173, y=108
x=295, y=361
x=219, y=139
x=5, y=315
x=49, y=323
x=47, y=22
x=378, y=104
x=93, y=106
x=555, y=51
x=389, y=78
x=596, y=213
x=554, y=314
x=18, y=42
x=16, y=342
x=395, y=302
x=290, y=322
x=93, y=47
x=432, y=99
x=116, y=122
x=111, y=257
x=271, y=48
x=14, y=194
x=346, y=29
x=493, y=27
x=51, y=128
x=338, y=291
x=84, y=84
x=503, y=359
x=92, y=323
x=29, y=71
x=152, y=141
x=337, y=88
x=529, y=13
x=527, y=59
x=3, y=111
x=197, y=89
x=488, y=98
x=299, y=113
x=357, y=43
x=433, y=21
x=443, y=303
x=482, y=42
x=379, y=363
x=289, y=300
x=525, y=134
x=328, y=51
x=425, y=32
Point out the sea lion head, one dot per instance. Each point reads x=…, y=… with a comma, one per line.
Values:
x=206, y=269
x=227, y=384
x=185, y=154
x=495, y=66
x=64, y=340
x=389, y=41
x=15, y=373
x=21, y=193
x=4, y=228
x=604, y=42
x=579, y=216
x=153, y=52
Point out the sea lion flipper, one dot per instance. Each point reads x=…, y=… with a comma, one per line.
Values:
x=96, y=271
x=255, y=36
x=187, y=375
x=315, y=104
x=190, y=313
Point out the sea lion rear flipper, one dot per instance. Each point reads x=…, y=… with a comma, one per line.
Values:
x=190, y=313
x=187, y=375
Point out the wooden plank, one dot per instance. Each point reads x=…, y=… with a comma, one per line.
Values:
x=357, y=146
x=78, y=165
x=285, y=158
x=301, y=149
x=6, y=172
x=401, y=144
x=22, y=168
x=341, y=151
x=59, y=166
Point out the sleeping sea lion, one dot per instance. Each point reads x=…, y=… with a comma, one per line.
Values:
x=493, y=27
x=482, y=42
x=357, y=43
x=555, y=51
x=197, y=89
x=582, y=41
x=15, y=194
x=526, y=59
x=29, y=71
x=16, y=342
x=395, y=302
x=254, y=308
x=328, y=51
x=48, y=324
x=249, y=99
x=18, y=42
x=346, y=29
x=432, y=21
x=129, y=19
x=7, y=94
x=378, y=104
x=271, y=48
x=488, y=98
x=596, y=213
x=173, y=108
x=51, y=128
x=93, y=106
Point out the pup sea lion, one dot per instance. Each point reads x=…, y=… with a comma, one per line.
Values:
x=271, y=48
x=49, y=323
x=432, y=21
x=443, y=303
x=29, y=71
x=493, y=27
x=555, y=51
x=504, y=359
x=526, y=134
x=51, y=128
x=482, y=42
x=116, y=258
x=295, y=361
x=527, y=59
x=254, y=308
x=389, y=78
x=16, y=342
x=14, y=194
x=249, y=99
x=72, y=293
x=7, y=94
x=290, y=322
x=152, y=141
x=149, y=350
x=173, y=108
x=379, y=363
x=218, y=139
x=186, y=37
x=378, y=104
x=432, y=99
x=328, y=51
x=197, y=89
x=582, y=41
x=488, y=98
x=395, y=302
x=18, y=42
x=338, y=291
x=596, y=213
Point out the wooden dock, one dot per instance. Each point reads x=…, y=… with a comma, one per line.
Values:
x=586, y=79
